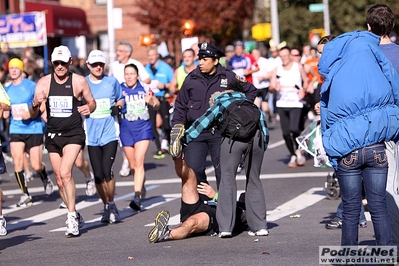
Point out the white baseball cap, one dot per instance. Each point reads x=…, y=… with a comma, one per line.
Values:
x=96, y=56
x=61, y=53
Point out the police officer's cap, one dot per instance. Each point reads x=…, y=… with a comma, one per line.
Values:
x=209, y=50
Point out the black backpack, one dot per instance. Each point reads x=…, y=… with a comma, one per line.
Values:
x=240, y=122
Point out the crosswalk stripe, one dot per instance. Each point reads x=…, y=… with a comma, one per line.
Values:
x=44, y=216
x=177, y=181
x=126, y=212
x=307, y=199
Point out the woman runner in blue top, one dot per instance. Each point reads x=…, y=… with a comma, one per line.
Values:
x=136, y=129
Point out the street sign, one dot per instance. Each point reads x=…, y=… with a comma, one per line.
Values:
x=316, y=7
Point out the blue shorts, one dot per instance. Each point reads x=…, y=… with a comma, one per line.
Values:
x=133, y=132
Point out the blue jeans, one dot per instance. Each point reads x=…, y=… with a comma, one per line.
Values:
x=369, y=164
x=362, y=217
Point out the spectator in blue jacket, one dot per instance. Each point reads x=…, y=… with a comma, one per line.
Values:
x=359, y=112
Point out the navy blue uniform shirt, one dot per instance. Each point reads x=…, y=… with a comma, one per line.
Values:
x=193, y=98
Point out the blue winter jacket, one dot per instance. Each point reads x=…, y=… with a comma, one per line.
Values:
x=360, y=95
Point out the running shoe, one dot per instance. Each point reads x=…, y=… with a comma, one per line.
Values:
x=125, y=170
x=25, y=200
x=363, y=224
x=176, y=135
x=28, y=177
x=300, y=158
x=143, y=192
x=74, y=223
x=105, y=214
x=48, y=186
x=292, y=163
x=62, y=205
x=113, y=214
x=260, y=232
x=225, y=234
x=159, y=155
x=90, y=186
x=161, y=230
x=135, y=204
x=3, y=225
x=335, y=223
x=240, y=167
x=164, y=144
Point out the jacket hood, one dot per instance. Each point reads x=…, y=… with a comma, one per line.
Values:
x=221, y=96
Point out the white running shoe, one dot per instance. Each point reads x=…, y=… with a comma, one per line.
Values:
x=90, y=186
x=113, y=214
x=260, y=232
x=74, y=223
x=28, y=177
x=3, y=225
x=48, y=186
x=62, y=205
x=24, y=201
x=164, y=144
x=225, y=234
x=125, y=170
x=105, y=215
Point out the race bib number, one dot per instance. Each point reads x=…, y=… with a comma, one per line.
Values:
x=18, y=109
x=60, y=106
x=103, y=108
x=136, y=108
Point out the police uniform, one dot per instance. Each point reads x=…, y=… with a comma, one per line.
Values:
x=193, y=100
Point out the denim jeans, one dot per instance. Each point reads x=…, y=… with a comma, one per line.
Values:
x=369, y=164
x=362, y=217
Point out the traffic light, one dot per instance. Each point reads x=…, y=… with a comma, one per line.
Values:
x=188, y=27
x=146, y=39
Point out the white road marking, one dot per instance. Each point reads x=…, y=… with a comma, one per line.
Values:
x=178, y=181
x=307, y=199
x=126, y=212
x=41, y=217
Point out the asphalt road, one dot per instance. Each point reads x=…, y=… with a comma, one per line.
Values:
x=36, y=233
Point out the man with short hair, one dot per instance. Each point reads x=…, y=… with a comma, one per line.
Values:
x=182, y=71
x=380, y=21
x=161, y=75
x=241, y=63
x=60, y=94
x=124, y=52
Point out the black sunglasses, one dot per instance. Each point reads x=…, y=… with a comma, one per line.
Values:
x=97, y=64
x=57, y=63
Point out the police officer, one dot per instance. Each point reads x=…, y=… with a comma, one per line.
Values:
x=193, y=100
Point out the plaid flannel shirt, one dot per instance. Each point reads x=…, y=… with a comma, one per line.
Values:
x=215, y=113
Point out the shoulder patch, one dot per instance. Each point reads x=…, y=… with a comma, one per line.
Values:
x=240, y=78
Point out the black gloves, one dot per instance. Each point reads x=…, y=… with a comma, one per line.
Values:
x=116, y=111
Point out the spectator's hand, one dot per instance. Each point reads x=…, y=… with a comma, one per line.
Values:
x=205, y=189
x=317, y=108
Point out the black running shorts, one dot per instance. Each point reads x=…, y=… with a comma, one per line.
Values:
x=30, y=140
x=55, y=142
x=187, y=210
